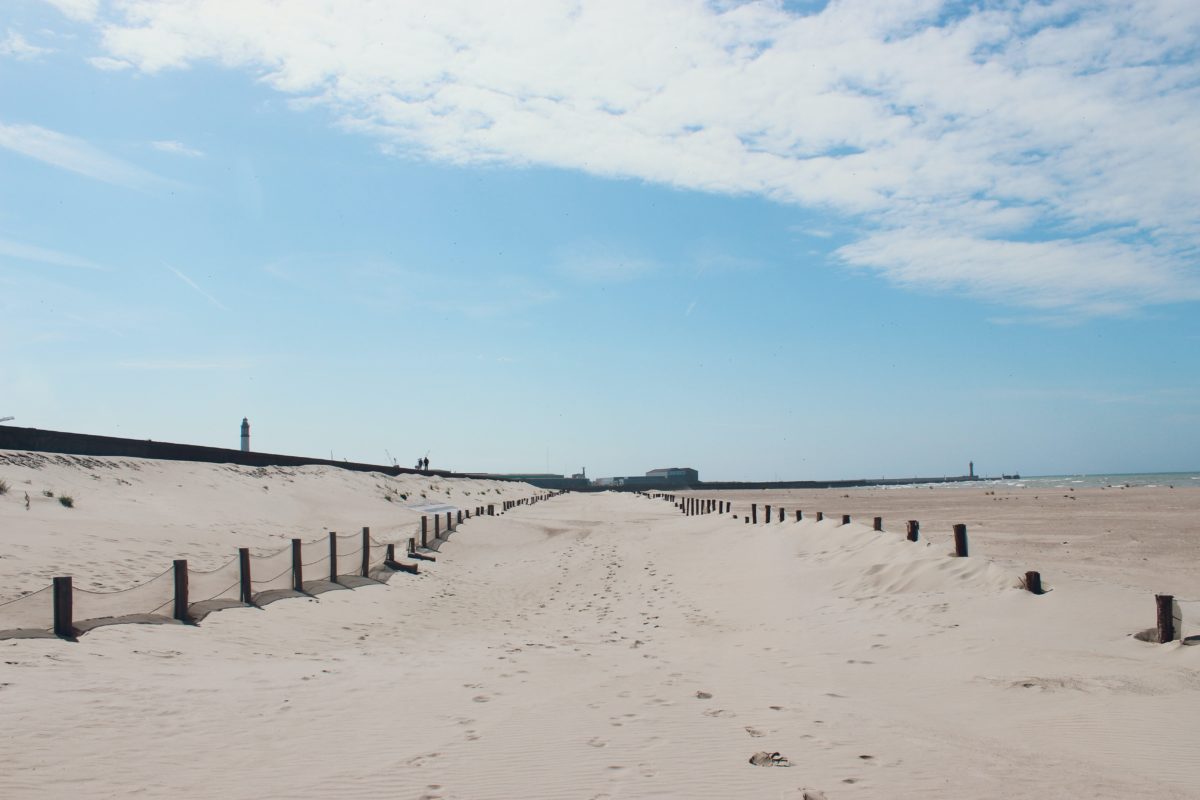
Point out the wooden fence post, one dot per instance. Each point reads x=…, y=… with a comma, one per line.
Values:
x=820, y=516
x=1033, y=582
x=960, y=540
x=799, y=515
x=424, y=531
x=244, y=568
x=1167, y=631
x=297, y=566
x=754, y=513
x=437, y=526
x=333, y=557
x=879, y=523
x=412, y=545
x=845, y=519
x=767, y=516
x=449, y=522
x=64, y=608
x=181, y=590
x=366, y=559
x=914, y=530
x=391, y=552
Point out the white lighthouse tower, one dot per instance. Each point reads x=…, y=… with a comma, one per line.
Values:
x=245, y=435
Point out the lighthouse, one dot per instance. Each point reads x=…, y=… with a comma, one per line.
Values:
x=245, y=435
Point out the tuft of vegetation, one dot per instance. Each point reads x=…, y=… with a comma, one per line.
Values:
x=67, y=500
x=47, y=493
x=3, y=487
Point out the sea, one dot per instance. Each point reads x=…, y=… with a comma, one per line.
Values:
x=1174, y=479
x=1165, y=479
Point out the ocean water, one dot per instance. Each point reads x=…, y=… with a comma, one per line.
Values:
x=1176, y=479
x=1173, y=479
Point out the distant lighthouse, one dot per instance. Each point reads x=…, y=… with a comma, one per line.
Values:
x=245, y=435
x=971, y=467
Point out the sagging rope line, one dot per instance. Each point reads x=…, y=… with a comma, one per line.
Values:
x=25, y=596
x=131, y=588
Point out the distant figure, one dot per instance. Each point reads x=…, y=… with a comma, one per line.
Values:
x=426, y=463
x=418, y=463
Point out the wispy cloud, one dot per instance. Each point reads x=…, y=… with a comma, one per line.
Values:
x=188, y=365
x=14, y=45
x=594, y=263
x=28, y=252
x=81, y=10
x=75, y=155
x=177, y=148
x=197, y=288
x=980, y=126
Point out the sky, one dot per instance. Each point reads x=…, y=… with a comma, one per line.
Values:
x=767, y=240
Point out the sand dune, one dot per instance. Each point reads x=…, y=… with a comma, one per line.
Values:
x=604, y=646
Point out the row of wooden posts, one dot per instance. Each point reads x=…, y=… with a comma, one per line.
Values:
x=1169, y=618
x=63, y=591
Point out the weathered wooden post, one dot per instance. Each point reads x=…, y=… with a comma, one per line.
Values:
x=64, y=608
x=845, y=519
x=879, y=523
x=754, y=513
x=820, y=516
x=424, y=531
x=391, y=552
x=244, y=568
x=960, y=540
x=449, y=522
x=412, y=545
x=781, y=514
x=767, y=516
x=181, y=590
x=746, y=520
x=799, y=515
x=1169, y=629
x=914, y=530
x=297, y=566
x=460, y=518
x=437, y=526
x=366, y=551
x=333, y=557
x=1033, y=582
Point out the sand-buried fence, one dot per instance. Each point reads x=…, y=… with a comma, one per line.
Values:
x=183, y=594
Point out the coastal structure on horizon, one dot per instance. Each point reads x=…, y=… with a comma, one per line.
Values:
x=245, y=435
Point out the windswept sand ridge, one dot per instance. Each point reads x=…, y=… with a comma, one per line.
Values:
x=133, y=517
x=607, y=646
x=1145, y=537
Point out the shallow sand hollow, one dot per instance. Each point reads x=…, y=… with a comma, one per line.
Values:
x=607, y=646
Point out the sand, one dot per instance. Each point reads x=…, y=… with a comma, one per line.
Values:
x=603, y=645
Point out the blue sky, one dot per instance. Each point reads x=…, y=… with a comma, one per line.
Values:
x=765, y=240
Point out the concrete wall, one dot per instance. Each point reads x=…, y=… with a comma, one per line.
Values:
x=85, y=444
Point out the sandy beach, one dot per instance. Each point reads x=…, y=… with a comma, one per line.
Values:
x=605, y=646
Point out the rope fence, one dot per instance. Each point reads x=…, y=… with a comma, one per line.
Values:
x=182, y=594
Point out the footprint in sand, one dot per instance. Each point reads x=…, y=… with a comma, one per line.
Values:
x=755, y=732
x=596, y=741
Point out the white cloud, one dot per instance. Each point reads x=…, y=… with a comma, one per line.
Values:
x=75, y=155
x=980, y=126
x=177, y=148
x=592, y=263
x=186, y=365
x=109, y=64
x=27, y=252
x=81, y=10
x=14, y=45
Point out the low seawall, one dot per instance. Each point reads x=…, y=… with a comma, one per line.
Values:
x=86, y=444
